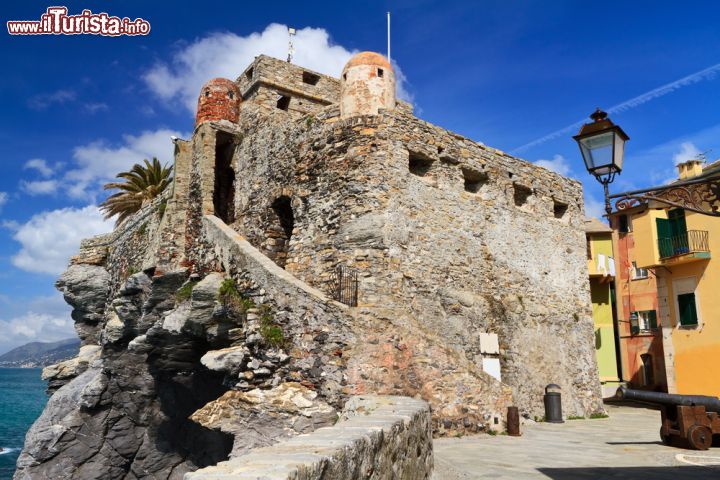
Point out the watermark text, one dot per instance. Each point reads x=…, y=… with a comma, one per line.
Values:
x=56, y=21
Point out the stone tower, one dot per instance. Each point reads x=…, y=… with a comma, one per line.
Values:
x=219, y=100
x=367, y=85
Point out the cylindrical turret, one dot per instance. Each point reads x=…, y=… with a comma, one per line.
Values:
x=219, y=100
x=711, y=404
x=367, y=85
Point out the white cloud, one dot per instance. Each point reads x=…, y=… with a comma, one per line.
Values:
x=39, y=165
x=44, y=100
x=50, y=238
x=98, y=162
x=688, y=151
x=594, y=208
x=95, y=107
x=35, y=327
x=227, y=55
x=39, y=187
x=558, y=164
x=3, y=199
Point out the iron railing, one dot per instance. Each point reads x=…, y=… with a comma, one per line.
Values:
x=345, y=285
x=689, y=242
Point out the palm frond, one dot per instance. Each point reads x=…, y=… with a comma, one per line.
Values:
x=141, y=184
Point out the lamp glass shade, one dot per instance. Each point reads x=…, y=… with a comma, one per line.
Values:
x=602, y=152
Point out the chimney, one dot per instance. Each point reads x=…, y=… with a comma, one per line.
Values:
x=690, y=169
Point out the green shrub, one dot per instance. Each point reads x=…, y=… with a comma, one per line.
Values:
x=269, y=330
x=492, y=432
x=599, y=415
x=162, y=207
x=230, y=297
x=575, y=417
x=185, y=292
x=143, y=229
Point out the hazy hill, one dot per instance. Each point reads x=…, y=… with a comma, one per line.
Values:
x=41, y=354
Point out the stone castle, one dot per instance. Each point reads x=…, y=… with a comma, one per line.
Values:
x=393, y=256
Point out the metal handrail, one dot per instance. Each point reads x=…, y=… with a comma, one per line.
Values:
x=688, y=242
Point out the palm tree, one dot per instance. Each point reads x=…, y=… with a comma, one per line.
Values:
x=142, y=184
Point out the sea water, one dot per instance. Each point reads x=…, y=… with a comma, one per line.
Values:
x=22, y=398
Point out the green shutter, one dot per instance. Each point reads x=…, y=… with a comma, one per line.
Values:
x=688, y=311
x=652, y=316
x=664, y=235
x=677, y=222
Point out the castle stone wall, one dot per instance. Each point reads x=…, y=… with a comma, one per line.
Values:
x=450, y=237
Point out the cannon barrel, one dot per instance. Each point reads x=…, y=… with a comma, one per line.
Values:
x=711, y=404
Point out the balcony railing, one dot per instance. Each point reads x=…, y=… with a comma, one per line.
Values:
x=689, y=242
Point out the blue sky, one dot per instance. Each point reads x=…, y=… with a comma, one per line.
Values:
x=77, y=109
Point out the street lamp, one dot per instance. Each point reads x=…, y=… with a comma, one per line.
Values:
x=602, y=145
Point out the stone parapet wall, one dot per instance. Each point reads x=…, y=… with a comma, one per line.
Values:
x=377, y=438
x=318, y=330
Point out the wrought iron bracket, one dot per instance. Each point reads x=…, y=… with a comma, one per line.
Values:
x=700, y=196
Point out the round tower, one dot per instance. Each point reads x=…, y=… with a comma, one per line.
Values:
x=367, y=84
x=219, y=100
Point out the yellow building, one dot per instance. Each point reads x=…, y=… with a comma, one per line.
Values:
x=601, y=268
x=683, y=249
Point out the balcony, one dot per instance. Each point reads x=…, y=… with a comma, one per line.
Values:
x=689, y=246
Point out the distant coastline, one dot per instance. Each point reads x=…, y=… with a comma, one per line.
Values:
x=40, y=354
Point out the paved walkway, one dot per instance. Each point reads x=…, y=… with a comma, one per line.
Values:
x=624, y=446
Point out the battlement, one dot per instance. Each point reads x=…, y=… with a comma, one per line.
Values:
x=276, y=84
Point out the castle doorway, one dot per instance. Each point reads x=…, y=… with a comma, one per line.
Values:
x=280, y=230
x=224, y=194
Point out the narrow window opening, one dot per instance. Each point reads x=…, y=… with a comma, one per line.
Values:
x=207, y=93
x=381, y=72
x=231, y=95
x=419, y=165
x=249, y=73
x=510, y=175
x=521, y=195
x=474, y=180
x=310, y=78
x=344, y=76
x=624, y=225
x=280, y=230
x=440, y=149
x=559, y=209
x=224, y=193
x=283, y=102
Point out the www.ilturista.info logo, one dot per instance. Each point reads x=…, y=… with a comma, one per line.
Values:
x=56, y=21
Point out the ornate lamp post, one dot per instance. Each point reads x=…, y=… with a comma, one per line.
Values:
x=602, y=145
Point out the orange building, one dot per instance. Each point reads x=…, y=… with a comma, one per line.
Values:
x=640, y=334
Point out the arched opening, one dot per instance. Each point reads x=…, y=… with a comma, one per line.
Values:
x=224, y=194
x=280, y=230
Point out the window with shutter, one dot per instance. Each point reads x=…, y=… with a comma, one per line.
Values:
x=687, y=308
x=652, y=318
x=664, y=235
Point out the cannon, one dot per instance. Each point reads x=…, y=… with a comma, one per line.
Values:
x=686, y=419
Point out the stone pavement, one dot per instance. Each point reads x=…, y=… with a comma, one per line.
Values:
x=624, y=446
